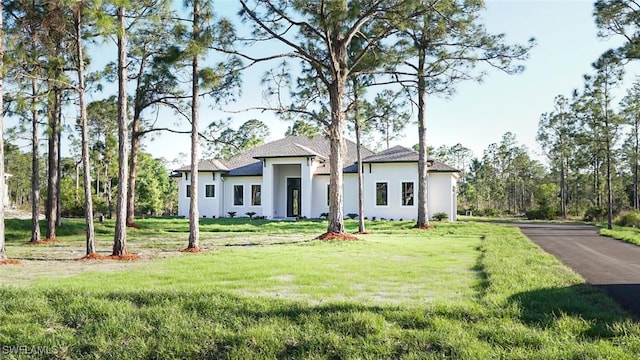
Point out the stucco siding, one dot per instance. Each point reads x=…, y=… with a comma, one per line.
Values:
x=230, y=182
x=207, y=206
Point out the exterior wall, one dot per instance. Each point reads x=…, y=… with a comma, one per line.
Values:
x=207, y=206
x=246, y=182
x=321, y=192
x=441, y=196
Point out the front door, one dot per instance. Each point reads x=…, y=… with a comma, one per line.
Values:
x=293, y=197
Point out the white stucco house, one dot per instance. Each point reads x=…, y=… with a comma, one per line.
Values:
x=289, y=178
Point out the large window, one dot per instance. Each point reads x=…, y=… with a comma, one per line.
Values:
x=381, y=194
x=188, y=190
x=407, y=193
x=256, y=195
x=210, y=191
x=328, y=193
x=238, y=195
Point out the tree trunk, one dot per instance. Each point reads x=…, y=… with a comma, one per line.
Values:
x=194, y=215
x=133, y=168
x=120, y=237
x=54, y=175
x=91, y=242
x=336, y=141
x=59, y=163
x=3, y=255
x=636, y=153
x=361, y=228
x=563, y=187
x=35, y=167
x=609, y=190
x=423, y=176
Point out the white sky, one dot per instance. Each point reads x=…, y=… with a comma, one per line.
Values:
x=478, y=114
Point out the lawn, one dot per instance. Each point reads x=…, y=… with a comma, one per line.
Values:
x=269, y=290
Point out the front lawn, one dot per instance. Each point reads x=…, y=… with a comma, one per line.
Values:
x=268, y=290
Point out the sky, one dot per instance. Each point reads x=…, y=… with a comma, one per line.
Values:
x=478, y=114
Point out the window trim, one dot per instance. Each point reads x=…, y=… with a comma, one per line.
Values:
x=386, y=195
x=234, y=195
x=206, y=194
x=252, y=194
x=402, y=193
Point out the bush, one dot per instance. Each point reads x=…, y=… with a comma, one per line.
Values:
x=231, y=214
x=250, y=214
x=595, y=213
x=324, y=215
x=352, y=216
x=541, y=214
x=630, y=219
x=440, y=216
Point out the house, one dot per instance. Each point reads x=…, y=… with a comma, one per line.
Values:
x=289, y=178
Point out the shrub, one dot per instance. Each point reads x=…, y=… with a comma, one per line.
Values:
x=595, y=213
x=232, y=214
x=440, y=216
x=250, y=214
x=541, y=214
x=352, y=216
x=324, y=215
x=630, y=219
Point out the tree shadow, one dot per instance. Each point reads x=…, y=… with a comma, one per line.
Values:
x=543, y=308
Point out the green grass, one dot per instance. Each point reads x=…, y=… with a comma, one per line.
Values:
x=626, y=234
x=469, y=291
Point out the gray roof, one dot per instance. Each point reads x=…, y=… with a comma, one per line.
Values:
x=401, y=154
x=249, y=162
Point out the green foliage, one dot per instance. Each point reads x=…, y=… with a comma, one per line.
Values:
x=629, y=219
x=595, y=213
x=250, y=214
x=156, y=193
x=440, y=216
x=351, y=216
x=303, y=128
x=232, y=214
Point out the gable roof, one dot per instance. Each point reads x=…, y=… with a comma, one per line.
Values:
x=401, y=154
x=249, y=162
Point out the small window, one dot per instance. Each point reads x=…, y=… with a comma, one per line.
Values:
x=328, y=193
x=186, y=176
x=256, y=195
x=381, y=194
x=210, y=191
x=188, y=190
x=238, y=195
x=407, y=194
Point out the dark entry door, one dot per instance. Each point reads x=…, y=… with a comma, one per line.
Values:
x=293, y=197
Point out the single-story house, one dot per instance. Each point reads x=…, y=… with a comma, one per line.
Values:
x=289, y=178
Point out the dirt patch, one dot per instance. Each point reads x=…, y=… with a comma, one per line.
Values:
x=125, y=257
x=134, y=225
x=337, y=236
x=44, y=241
x=192, y=250
x=9, y=262
x=428, y=227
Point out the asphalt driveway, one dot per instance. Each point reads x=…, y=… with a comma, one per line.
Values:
x=609, y=264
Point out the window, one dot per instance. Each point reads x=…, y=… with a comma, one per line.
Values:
x=188, y=190
x=210, y=191
x=381, y=194
x=238, y=195
x=328, y=193
x=256, y=195
x=407, y=194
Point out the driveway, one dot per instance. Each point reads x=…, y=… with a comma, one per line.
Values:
x=609, y=264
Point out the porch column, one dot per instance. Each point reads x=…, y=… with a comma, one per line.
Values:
x=267, y=189
x=307, y=190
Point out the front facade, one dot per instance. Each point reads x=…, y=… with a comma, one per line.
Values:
x=289, y=178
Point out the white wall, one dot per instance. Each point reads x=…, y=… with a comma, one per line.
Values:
x=441, y=186
x=207, y=207
x=246, y=182
x=320, y=193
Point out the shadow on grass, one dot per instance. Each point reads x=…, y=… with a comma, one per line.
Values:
x=545, y=307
